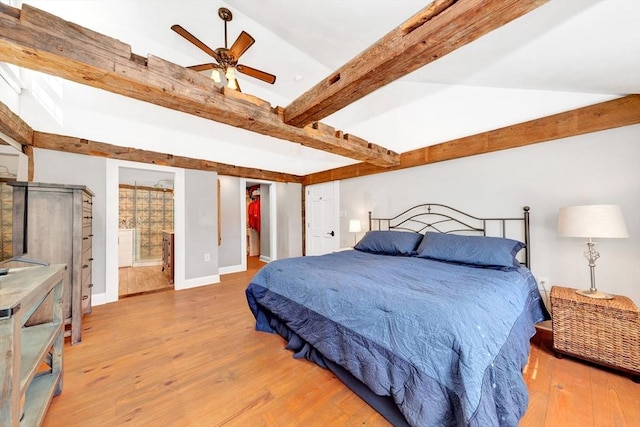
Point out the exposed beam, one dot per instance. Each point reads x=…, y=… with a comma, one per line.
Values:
x=438, y=29
x=14, y=127
x=40, y=41
x=70, y=144
x=606, y=115
x=17, y=133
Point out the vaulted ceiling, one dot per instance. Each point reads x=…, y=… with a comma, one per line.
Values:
x=563, y=55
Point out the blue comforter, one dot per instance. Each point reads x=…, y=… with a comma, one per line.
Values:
x=446, y=342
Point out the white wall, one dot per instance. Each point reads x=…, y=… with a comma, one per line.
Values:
x=231, y=231
x=602, y=167
x=289, y=218
x=201, y=227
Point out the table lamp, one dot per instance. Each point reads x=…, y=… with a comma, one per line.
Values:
x=592, y=221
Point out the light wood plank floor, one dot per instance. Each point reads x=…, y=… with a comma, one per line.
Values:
x=138, y=280
x=192, y=358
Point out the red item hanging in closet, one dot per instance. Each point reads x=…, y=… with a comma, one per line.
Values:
x=254, y=214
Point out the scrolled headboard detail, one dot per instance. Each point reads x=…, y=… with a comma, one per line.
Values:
x=445, y=219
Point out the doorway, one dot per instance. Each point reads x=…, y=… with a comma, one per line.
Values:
x=145, y=224
x=253, y=219
x=264, y=235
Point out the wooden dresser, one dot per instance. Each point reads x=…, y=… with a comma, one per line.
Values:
x=59, y=231
x=30, y=356
x=168, y=255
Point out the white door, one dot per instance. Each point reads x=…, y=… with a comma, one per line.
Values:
x=322, y=217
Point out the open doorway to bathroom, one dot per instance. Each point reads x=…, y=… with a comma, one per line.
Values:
x=145, y=234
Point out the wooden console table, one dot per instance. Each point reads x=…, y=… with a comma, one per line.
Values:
x=31, y=356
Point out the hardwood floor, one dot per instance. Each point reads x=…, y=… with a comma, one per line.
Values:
x=139, y=280
x=193, y=358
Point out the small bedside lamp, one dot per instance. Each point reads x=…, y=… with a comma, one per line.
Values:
x=354, y=227
x=592, y=221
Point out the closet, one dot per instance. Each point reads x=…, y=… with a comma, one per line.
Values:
x=253, y=220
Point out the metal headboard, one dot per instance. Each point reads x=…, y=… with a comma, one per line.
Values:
x=445, y=219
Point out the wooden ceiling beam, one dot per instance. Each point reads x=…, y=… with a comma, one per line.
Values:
x=14, y=127
x=75, y=145
x=619, y=112
x=435, y=31
x=40, y=41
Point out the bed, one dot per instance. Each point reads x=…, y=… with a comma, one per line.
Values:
x=428, y=319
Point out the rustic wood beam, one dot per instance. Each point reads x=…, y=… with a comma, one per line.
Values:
x=31, y=169
x=438, y=29
x=14, y=127
x=18, y=133
x=70, y=144
x=606, y=115
x=40, y=41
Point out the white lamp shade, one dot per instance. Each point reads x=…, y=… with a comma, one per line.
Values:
x=354, y=226
x=215, y=76
x=591, y=221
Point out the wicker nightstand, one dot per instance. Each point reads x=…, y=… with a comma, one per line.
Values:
x=602, y=331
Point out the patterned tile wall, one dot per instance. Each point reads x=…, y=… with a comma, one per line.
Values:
x=150, y=211
x=6, y=221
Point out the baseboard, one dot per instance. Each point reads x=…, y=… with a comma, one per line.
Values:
x=199, y=281
x=99, y=299
x=231, y=269
x=265, y=258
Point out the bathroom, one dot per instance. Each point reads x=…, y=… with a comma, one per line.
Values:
x=145, y=222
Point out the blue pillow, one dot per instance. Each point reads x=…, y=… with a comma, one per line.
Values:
x=389, y=242
x=495, y=252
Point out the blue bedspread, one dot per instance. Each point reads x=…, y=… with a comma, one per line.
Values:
x=446, y=342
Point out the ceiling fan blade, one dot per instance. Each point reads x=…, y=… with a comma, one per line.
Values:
x=261, y=75
x=242, y=43
x=193, y=39
x=204, y=67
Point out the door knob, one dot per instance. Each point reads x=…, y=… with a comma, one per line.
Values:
x=332, y=233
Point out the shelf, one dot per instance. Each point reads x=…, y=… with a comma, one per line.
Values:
x=39, y=396
x=31, y=356
x=36, y=340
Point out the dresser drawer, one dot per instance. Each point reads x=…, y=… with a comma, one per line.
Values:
x=87, y=237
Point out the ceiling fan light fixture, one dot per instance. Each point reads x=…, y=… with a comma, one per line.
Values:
x=215, y=76
x=231, y=84
x=226, y=58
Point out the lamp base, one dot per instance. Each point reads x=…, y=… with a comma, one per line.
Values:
x=592, y=294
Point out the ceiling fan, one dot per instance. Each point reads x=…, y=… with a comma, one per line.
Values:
x=227, y=58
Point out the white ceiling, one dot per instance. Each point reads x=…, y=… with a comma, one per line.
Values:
x=564, y=55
